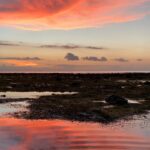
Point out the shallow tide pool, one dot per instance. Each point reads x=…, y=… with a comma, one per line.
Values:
x=17, y=134
x=30, y=95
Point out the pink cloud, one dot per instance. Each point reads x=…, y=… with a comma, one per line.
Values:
x=68, y=14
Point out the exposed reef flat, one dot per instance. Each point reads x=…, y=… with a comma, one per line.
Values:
x=88, y=104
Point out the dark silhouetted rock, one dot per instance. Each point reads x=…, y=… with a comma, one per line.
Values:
x=3, y=95
x=116, y=100
x=147, y=83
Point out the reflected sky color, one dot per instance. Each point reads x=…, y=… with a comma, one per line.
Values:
x=120, y=28
x=59, y=134
x=31, y=95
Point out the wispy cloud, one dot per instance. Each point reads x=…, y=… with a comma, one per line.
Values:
x=139, y=59
x=71, y=57
x=121, y=60
x=68, y=14
x=21, y=58
x=7, y=43
x=94, y=58
x=72, y=46
x=52, y=46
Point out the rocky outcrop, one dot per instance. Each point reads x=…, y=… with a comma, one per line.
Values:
x=116, y=100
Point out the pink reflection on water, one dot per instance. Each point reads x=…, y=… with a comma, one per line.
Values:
x=16, y=134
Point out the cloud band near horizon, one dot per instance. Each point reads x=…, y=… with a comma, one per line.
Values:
x=68, y=14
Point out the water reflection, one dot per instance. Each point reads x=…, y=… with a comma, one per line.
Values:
x=7, y=109
x=32, y=95
x=16, y=134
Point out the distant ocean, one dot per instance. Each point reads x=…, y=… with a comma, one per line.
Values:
x=80, y=72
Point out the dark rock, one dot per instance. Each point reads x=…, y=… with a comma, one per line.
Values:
x=116, y=100
x=3, y=96
x=147, y=83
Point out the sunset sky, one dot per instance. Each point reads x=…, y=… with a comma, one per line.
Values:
x=74, y=35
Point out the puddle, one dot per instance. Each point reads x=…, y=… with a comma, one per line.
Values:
x=6, y=109
x=98, y=101
x=122, y=81
x=123, y=87
x=30, y=95
x=143, y=81
x=129, y=101
x=133, y=101
x=109, y=106
x=13, y=107
x=139, y=85
x=104, y=102
x=133, y=81
x=139, y=81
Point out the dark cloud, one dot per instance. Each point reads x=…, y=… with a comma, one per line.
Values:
x=52, y=46
x=93, y=58
x=6, y=43
x=139, y=59
x=71, y=57
x=121, y=60
x=94, y=47
x=20, y=58
x=72, y=46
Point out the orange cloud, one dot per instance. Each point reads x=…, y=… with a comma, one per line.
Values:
x=21, y=63
x=68, y=14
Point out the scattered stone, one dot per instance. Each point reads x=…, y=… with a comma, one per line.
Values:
x=116, y=100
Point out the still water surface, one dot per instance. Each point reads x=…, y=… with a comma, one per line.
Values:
x=20, y=134
x=30, y=95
